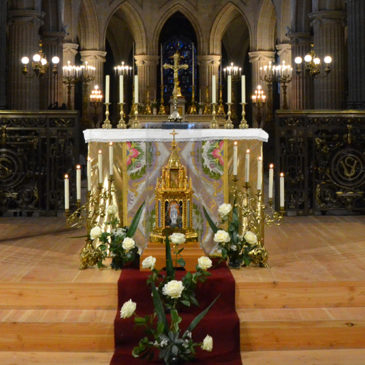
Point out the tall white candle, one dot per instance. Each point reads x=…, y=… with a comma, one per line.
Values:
x=229, y=89
x=259, y=173
x=214, y=90
x=136, y=89
x=67, y=193
x=100, y=167
x=247, y=166
x=121, y=89
x=271, y=180
x=78, y=182
x=88, y=174
x=282, y=200
x=243, y=89
x=111, y=158
x=235, y=159
x=107, y=88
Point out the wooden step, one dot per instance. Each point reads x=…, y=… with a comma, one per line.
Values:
x=305, y=357
x=285, y=329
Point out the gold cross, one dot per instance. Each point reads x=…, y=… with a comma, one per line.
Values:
x=173, y=133
x=176, y=68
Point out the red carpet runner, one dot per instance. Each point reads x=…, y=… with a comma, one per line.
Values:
x=221, y=322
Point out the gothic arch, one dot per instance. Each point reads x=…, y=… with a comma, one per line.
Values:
x=167, y=11
x=89, y=32
x=266, y=27
x=133, y=21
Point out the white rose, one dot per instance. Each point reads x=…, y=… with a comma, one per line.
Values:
x=120, y=231
x=128, y=309
x=250, y=237
x=95, y=232
x=177, y=238
x=224, y=209
x=233, y=247
x=173, y=289
x=112, y=209
x=149, y=262
x=128, y=243
x=207, y=344
x=222, y=236
x=204, y=262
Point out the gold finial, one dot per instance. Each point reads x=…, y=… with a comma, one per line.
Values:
x=173, y=133
x=174, y=160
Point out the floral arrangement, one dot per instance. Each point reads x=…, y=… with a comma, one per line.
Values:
x=177, y=292
x=116, y=241
x=238, y=249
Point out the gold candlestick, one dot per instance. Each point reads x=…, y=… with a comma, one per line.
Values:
x=213, y=123
x=162, y=110
x=220, y=105
x=106, y=123
x=136, y=124
x=206, y=105
x=148, y=110
x=121, y=124
x=243, y=124
x=228, y=124
x=192, y=108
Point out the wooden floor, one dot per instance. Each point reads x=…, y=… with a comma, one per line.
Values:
x=307, y=308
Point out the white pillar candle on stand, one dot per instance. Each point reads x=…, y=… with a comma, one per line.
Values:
x=229, y=89
x=121, y=89
x=111, y=158
x=67, y=193
x=214, y=90
x=235, y=158
x=247, y=166
x=282, y=191
x=78, y=182
x=271, y=180
x=243, y=89
x=107, y=88
x=136, y=89
x=88, y=171
x=100, y=167
x=259, y=173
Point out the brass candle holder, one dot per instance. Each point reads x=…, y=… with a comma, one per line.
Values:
x=192, y=108
x=213, y=123
x=229, y=124
x=135, y=123
x=121, y=124
x=107, y=124
x=220, y=105
x=243, y=123
x=162, y=109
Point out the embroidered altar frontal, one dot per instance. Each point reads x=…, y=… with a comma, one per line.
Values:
x=139, y=155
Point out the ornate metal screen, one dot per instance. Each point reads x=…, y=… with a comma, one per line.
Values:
x=323, y=155
x=36, y=150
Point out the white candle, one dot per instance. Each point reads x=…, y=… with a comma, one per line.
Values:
x=259, y=173
x=107, y=87
x=282, y=190
x=121, y=90
x=271, y=180
x=247, y=166
x=214, y=90
x=229, y=89
x=243, y=89
x=235, y=159
x=136, y=89
x=67, y=193
x=78, y=182
x=88, y=174
x=111, y=162
x=100, y=166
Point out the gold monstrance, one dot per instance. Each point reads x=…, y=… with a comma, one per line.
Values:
x=173, y=200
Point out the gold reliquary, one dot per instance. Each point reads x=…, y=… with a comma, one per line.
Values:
x=173, y=200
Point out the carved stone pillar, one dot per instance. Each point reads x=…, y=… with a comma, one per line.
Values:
x=285, y=54
x=147, y=73
x=302, y=83
x=329, y=39
x=356, y=53
x=23, y=41
x=3, y=14
x=51, y=83
x=69, y=53
x=208, y=66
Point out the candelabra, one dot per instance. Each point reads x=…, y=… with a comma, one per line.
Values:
x=96, y=98
x=312, y=63
x=259, y=100
x=267, y=75
x=284, y=77
x=228, y=124
x=213, y=123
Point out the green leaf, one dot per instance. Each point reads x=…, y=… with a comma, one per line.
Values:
x=181, y=262
x=139, y=320
x=175, y=320
x=135, y=221
x=186, y=303
x=169, y=266
x=160, y=311
x=201, y=315
x=210, y=221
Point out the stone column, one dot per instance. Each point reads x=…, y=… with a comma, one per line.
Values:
x=302, y=82
x=51, y=83
x=284, y=52
x=208, y=66
x=69, y=53
x=23, y=38
x=329, y=39
x=147, y=75
x=356, y=53
x=3, y=14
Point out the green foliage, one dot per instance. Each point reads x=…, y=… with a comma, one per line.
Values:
x=135, y=221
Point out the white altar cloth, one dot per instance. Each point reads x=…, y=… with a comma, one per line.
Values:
x=164, y=135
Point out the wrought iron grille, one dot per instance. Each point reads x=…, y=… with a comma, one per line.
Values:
x=323, y=156
x=36, y=150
